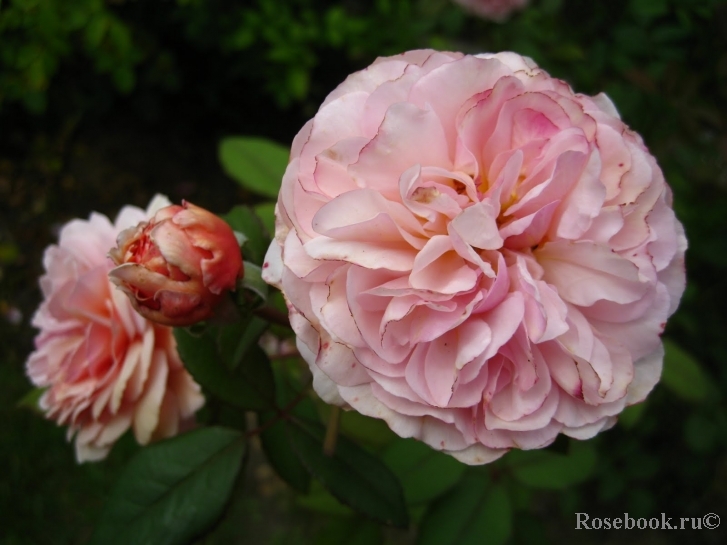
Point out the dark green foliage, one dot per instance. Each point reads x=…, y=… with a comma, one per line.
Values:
x=38, y=35
x=291, y=401
x=424, y=473
x=683, y=375
x=351, y=532
x=173, y=491
x=548, y=469
x=352, y=475
x=243, y=380
x=282, y=457
x=475, y=511
x=255, y=163
x=244, y=220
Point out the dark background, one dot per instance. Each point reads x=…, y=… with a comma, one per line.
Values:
x=106, y=103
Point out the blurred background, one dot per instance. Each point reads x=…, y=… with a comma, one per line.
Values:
x=106, y=102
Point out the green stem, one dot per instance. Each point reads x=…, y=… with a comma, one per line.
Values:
x=273, y=315
x=329, y=443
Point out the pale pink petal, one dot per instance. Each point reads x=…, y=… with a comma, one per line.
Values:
x=445, y=88
x=362, y=399
x=478, y=227
x=438, y=268
x=364, y=215
x=476, y=455
x=585, y=273
x=589, y=430
x=503, y=321
x=146, y=416
x=647, y=372
x=273, y=264
x=339, y=363
x=408, y=136
x=396, y=256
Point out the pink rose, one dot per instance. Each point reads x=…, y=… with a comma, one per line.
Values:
x=476, y=254
x=106, y=369
x=497, y=10
x=177, y=266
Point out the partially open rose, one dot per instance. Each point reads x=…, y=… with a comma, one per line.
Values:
x=476, y=254
x=105, y=368
x=177, y=266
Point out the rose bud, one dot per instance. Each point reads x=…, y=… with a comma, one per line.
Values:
x=176, y=267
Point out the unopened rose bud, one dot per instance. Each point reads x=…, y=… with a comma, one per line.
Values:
x=176, y=267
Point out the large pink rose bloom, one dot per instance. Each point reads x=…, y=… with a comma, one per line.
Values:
x=497, y=10
x=106, y=369
x=476, y=254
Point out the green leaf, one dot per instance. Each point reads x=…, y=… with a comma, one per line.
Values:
x=35, y=101
x=290, y=386
x=173, y=491
x=119, y=35
x=274, y=438
x=249, y=386
x=256, y=164
x=233, y=344
x=358, y=531
x=529, y=529
x=682, y=374
x=256, y=289
x=319, y=500
x=281, y=456
x=631, y=415
x=474, y=512
x=266, y=213
x=228, y=416
x=352, y=475
x=424, y=472
x=371, y=432
x=298, y=81
x=546, y=469
x=9, y=253
x=31, y=400
x=96, y=30
x=124, y=79
x=649, y=9
x=36, y=75
x=700, y=433
x=255, y=372
x=244, y=220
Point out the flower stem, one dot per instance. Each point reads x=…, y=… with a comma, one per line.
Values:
x=329, y=443
x=273, y=315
